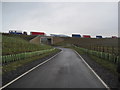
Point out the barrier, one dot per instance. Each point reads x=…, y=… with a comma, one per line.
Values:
x=15, y=57
x=106, y=56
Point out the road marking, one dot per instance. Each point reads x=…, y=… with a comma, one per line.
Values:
x=28, y=71
x=93, y=71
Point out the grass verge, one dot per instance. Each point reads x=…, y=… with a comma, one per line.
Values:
x=16, y=64
x=104, y=63
x=108, y=65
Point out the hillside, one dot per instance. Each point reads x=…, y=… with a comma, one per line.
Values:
x=108, y=45
x=26, y=37
x=16, y=44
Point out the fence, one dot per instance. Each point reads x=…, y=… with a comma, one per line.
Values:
x=101, y=48
x=107, y=56
x=15, y=57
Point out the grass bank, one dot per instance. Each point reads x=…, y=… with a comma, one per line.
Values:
x=14, y=45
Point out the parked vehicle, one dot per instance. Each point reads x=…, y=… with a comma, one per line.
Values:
x=76, y=35
x=58, y=35
x=114, y=36
x=15, y=32
x=98, y=36
x=37, y=33
x=86, y=36
x=54, y=35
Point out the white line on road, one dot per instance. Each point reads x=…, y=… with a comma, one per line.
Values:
x=93, y=71
x=28, y=71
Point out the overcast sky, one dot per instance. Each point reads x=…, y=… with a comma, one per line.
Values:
x=93, y=18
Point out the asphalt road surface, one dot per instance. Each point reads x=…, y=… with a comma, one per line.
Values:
x=66, y=70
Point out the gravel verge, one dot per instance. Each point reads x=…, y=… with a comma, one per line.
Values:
x=109, y=78
x=7, y=77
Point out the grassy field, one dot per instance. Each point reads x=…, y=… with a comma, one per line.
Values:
x=15, y=45
x=108, y=45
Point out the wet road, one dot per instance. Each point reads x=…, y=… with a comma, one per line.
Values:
x=66, y=70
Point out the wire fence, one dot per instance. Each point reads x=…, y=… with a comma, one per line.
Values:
x=106, y=56
x=21, y=56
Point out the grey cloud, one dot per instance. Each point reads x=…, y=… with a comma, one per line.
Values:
x=67, y=18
